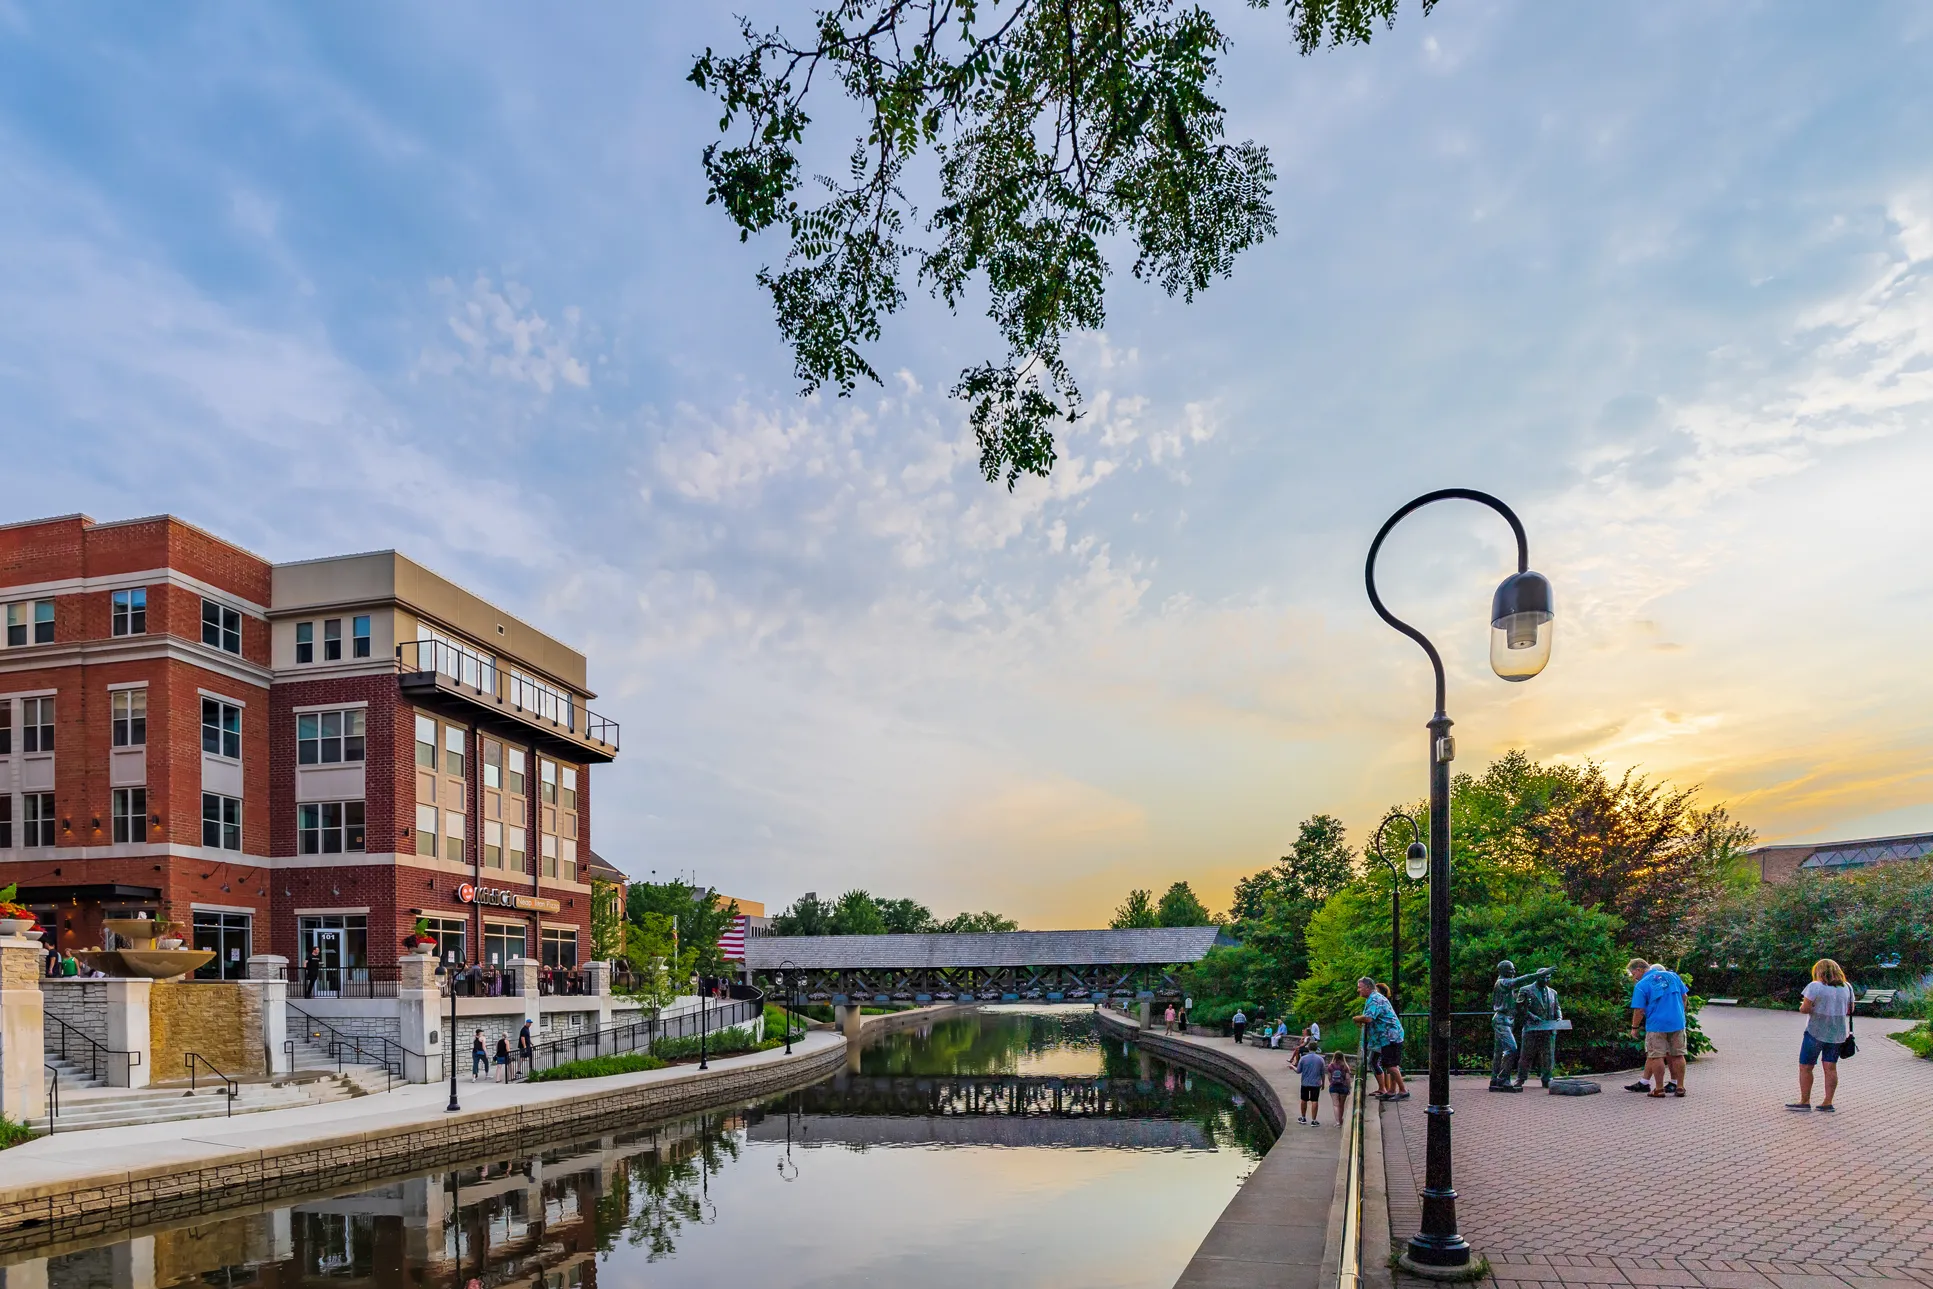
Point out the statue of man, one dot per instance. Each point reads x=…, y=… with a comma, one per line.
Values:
x=1537, y=1007
x=1503, y=1009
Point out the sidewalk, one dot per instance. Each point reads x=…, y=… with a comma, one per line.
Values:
x=1724, y=1189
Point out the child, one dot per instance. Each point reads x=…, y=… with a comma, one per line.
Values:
x=1308, y=1063
x=1339, y=1083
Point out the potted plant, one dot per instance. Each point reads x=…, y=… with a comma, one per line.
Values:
x=16, y=918
x=420, y=940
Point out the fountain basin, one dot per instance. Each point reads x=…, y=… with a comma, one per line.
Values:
x=149, y=964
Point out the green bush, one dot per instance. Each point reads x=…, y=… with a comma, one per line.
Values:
x=776, y=1020
x=1763, y=942
x=12, y=1134
x=596, y=1067
x=724, y=1042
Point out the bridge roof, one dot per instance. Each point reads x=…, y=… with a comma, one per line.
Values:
x=1159, y=946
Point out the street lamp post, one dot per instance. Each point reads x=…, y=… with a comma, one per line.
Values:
x=1416, y=862
x=1520, y=616
x=785, y=992
x=442, y=969
x=704, y=987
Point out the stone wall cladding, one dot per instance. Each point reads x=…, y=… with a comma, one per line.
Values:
x=348, y=1026
x=41, y=1214
x=1237, y=1074
x=82, y=1004
x=207, y=1017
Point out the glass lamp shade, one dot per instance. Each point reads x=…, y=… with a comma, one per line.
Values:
x=1520, y=626
x=1417, y=862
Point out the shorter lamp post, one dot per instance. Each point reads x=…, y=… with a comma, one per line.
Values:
x=449, y=979
x=704, y=987
x=785, y=1008
x=1416, y=862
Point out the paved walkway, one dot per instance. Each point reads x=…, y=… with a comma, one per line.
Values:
x=1273, y=1233
x=1724, y=1189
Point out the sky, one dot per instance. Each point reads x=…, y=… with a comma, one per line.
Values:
x=442, y=278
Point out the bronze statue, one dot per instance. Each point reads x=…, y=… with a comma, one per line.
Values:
x=1503, y=1016
x=1539, y=1017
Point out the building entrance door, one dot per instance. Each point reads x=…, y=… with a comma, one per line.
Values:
x=327, y=940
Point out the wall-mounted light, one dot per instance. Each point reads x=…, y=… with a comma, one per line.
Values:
x=56, y=872
x=224, y=886
x=97, y=823
x=67, y=825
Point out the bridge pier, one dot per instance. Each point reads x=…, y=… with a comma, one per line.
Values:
x=849, y=1020
x=1147, y=1012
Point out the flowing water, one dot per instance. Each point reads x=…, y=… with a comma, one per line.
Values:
x=1003, y=1147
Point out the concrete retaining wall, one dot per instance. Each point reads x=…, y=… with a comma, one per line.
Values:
x=1236, y=1073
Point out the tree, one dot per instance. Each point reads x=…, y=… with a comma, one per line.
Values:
x=984, y=921
x=1059, y=130
x=857, y=913
x=906, y=917
x=807, y=915
x=1180, y=907
x=699, y=917
x=607, y=921
x=1138, y=911
x=660, y=971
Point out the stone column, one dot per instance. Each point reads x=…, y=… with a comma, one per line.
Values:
x=597, y=978
x=419, y=1017
x=31, y=1274
x=1147, y=1013
x=23, y=1085
x=131, y=1263
x=526, y=970
x=128, y=1030
x=270, y=969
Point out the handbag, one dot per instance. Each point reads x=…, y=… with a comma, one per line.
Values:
x=1849, y=1047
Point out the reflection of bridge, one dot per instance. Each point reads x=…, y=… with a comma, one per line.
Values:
x=993, y=1095
x=894, y=1130
x=1013, y=966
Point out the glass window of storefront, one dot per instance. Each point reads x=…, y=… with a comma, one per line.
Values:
x=228, y=934
x=452, y=938
x=502, y=942
x=560, y=946
x=341, y=944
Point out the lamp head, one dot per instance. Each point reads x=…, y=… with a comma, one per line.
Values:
x=1416, y=862
x=1520, y=630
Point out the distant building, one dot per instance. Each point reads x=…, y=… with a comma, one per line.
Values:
x=1779, y=863
x=750, y=924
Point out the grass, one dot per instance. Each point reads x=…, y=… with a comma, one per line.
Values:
x=1919, y=1039
x=12, y=1134
x=775, y=1021
x=596, y=1067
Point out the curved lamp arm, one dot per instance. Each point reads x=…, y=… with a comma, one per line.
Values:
x=1369, y=568
x=1415, y=834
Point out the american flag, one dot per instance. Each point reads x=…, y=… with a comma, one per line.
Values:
x=731, y=941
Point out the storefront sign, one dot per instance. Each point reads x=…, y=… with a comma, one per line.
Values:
x=469, y=894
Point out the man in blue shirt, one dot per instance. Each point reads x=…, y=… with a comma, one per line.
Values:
x=1658, y=1011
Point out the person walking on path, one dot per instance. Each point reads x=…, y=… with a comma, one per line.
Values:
x=479, y=1058
x=503, y=1056
x=1238, y=1023
x=1168, y=1019
x=311, y=971
x=1339, y=1084
x=1827, y=1003
x=1383, y=1034
x=1308, y=1064
x=1658, y=1011
x=526, y=1049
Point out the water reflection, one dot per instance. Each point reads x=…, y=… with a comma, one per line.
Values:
x=1097, y=1167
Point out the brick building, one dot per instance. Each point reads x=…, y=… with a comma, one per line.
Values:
x=286, y=758
x=1778, y=864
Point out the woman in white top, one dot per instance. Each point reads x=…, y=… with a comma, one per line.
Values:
x=1827, y=1004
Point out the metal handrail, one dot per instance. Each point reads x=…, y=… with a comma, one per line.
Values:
x=53, y=1101
x=348, y=1048
x=617, y=1039
x=190, y=1059
x=1349, y=1269
x=483, y=674
x=99, y=1053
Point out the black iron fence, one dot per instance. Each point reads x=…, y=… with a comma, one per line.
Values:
x=639, y=1036
x=82, y=1051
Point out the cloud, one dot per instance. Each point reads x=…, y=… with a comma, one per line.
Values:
x=498, y=332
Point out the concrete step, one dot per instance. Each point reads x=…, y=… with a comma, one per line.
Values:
x=169, y=1105
x=71, y=1075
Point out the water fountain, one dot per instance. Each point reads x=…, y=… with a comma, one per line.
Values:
x=148, y=952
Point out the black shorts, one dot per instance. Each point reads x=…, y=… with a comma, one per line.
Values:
x=1392, y=1055
x=1312, y=1094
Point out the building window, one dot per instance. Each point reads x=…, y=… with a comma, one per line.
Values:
x=332, y=640
x=453, y=836
x=359, y=635
x=426, y=831
x=501, y=943
x=453, y=751
x=130, y=617
x=221, y=821
x=519, y=858
x=221, y=627
x=37, y=725
x=560, y=946
x=6, y=821
x=547, y=781
x=492, y=844
x=221, y=729
x=425, y=743
x=570, y=788
x=17, y=615
x=452, y=938
x=130, y=815
x=492, y=763
x=329, y=827
x=325, y=738
x=6, y=727
x=514, y=772
x=305, y=642
x=228, y=934
x=550, y=855
x=43, y=622
x=340, y=942
x=130, y=717
x=37, y=819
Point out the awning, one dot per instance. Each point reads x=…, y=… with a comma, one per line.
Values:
x=99, y=891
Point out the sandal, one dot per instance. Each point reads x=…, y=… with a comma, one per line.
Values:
x=1799, y=1106
x=1678, y=1092
x=1657, y=1095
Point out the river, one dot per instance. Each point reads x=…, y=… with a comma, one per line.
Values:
x=1008, y=1146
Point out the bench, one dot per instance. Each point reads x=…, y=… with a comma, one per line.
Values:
x=1878, y=997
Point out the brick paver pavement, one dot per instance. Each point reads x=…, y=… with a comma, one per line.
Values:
x=1724, y=1189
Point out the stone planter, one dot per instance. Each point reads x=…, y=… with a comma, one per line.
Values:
x=15, y=926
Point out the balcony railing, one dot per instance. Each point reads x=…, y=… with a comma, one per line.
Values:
x=530, y=700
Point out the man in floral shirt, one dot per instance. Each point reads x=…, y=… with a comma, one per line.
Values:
x=1383, y=1035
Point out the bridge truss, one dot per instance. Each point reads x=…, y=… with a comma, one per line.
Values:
x=1084, y=983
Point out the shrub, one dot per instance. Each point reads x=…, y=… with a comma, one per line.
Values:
x=596, y=1067
x=724, y=1042
x=1763, y=942
x=12, y=1134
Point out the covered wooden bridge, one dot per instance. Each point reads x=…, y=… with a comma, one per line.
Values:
x=992, y=967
